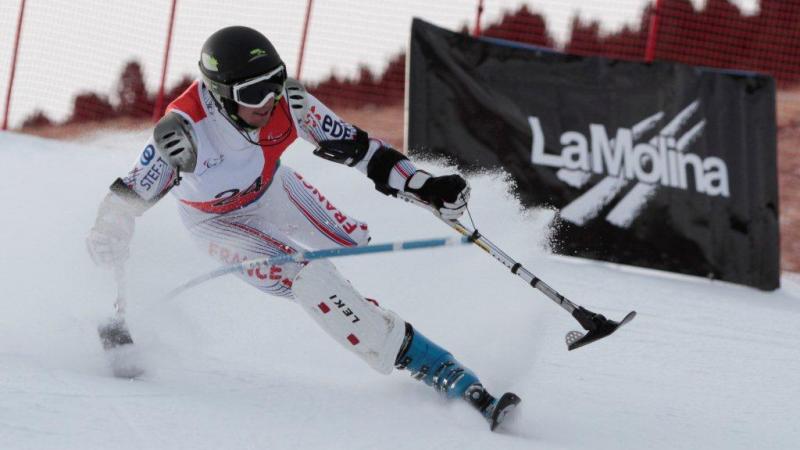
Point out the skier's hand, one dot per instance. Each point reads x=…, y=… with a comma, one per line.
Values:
x=109, y=240
x=348, y=150
x=448, y=194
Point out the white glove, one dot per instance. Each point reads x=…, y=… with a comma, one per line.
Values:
x=448, y=194
x=109, y=240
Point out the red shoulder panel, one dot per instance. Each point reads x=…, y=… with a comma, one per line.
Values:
x=189, y=103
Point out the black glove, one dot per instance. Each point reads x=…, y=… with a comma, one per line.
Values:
x=447, y=194
x=348, y=150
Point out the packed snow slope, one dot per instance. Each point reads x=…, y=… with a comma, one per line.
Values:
x=705, y=365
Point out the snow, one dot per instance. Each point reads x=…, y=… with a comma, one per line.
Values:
x=705, y=365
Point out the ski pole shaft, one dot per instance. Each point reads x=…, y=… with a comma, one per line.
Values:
x=485, y=244
x=317, y=254
x=516, y=268
x=597, y=325
x=121, y=302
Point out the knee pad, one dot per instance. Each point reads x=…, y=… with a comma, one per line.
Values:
x=369, y=331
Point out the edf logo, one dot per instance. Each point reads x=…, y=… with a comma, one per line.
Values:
x=336, y=129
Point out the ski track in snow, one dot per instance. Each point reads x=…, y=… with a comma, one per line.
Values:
x=705, y=365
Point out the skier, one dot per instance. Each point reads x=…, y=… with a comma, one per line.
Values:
x=217, y=149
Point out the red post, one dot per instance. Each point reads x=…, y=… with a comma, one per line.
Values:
x=652, y=35
x=13, y=65
x=478, y=14
x=159, y=106
x=303, y=40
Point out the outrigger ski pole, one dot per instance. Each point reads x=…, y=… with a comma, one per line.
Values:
x=114, y=333
x=596, y=325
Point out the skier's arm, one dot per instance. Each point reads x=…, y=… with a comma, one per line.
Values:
x=149, y=180
x=390, y=170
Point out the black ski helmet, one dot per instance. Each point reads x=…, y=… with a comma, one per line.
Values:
x=235, y=54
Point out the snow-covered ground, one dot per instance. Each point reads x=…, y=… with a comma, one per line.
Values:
x=705, y=365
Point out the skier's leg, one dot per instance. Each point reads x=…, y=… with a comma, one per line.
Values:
x=291, y=216
x=377, y=335
x=235, y=238
x=362, y=327
x=433, y=365
x=382, y=339
x=294, y=215
x=436, y=367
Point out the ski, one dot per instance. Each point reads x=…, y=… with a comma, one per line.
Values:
x=502, y=408
x=114, y=333
x=123, y=356
x=598, y=327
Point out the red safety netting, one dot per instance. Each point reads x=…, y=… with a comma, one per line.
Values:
x=88, y=63
x=355, y=53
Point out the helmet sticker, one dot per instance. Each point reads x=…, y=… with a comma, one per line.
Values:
x=209, y=62
x=257, y=53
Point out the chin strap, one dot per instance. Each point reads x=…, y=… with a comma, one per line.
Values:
x=223, y=105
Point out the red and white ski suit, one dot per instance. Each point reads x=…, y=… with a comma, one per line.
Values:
x=241, y=202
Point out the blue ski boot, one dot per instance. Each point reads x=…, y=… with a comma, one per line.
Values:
x=438, y=368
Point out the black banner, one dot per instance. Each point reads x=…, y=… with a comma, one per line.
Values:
x=659, y=165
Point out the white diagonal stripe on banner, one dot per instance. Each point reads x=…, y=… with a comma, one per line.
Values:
x=672, y=128
x=629, y=207
x=646, y=125
x=582, y=209
x=588, y=205
x=690, y=136
x=578, y=178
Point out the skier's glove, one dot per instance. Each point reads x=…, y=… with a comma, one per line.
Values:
x=349, y=150
x=448, y=194
x=109, y=240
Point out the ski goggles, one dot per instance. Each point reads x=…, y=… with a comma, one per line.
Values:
x=255, y=92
